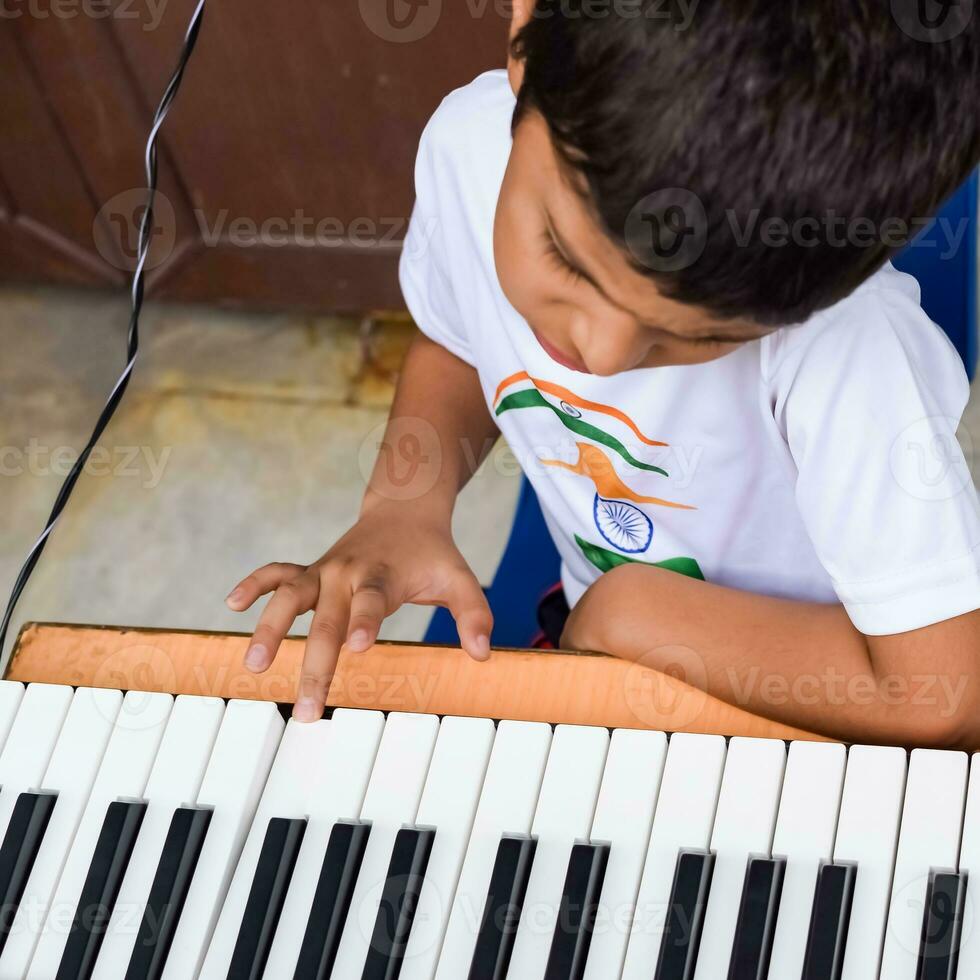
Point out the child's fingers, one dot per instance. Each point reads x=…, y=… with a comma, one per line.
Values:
x=262, y=580
x=474, y=621
x=323, y=645
x=368, y=608
x=291, y=599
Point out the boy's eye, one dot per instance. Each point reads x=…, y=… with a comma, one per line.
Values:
x=553, y=252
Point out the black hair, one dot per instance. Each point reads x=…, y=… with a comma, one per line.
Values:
x=743, y=115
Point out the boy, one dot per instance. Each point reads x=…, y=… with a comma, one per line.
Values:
x=654, y=254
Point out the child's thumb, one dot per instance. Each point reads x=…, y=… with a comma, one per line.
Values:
x=474, y=621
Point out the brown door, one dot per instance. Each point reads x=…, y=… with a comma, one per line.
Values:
x=286, y=161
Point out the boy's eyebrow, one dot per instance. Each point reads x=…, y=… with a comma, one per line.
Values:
x=720, y=338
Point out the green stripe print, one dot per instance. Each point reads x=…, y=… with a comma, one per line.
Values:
x=532, y=398
x=605, y=560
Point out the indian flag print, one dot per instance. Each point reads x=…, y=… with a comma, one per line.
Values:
x=607, y=442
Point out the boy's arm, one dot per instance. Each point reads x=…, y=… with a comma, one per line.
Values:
x=796, y=662
x=438, y=433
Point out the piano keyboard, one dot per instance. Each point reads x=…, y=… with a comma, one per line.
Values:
x=144, y=836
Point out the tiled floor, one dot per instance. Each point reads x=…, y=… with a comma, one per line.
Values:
x=239, y=442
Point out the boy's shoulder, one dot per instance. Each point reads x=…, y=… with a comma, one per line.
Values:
x=868, y=339
x=468, y=107
x=471, y=120
x=462, y=158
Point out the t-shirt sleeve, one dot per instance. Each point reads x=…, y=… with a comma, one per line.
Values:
x=424, y=271
x=869, y=405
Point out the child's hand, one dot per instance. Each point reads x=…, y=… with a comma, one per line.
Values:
x=390, y=557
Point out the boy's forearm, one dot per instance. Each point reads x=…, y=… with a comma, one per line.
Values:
x=800, y=663
x=438, y=433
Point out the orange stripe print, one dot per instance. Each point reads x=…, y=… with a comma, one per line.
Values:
x=569, y=396
x=593, y=463
x=508, y=381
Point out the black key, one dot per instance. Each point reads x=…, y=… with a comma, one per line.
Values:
x=331, y=900
x=829, y=920
x=168, y=891
x=112, y=852
x=685, y=915
x=941, y=926
x=273, y=871
x=756, y=922
x=28, y=821
x=502, y=912
x=399, y=901
x=576, y=912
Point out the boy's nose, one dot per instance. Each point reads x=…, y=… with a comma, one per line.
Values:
x=610, y=346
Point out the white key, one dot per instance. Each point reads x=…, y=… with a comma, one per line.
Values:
x=969, y=864
x=237, y=770
x=11, y=693
x=74, y=762
x=30, y=742
x=564, y=814
x=805, y=829
x=301, y=749
x=623, y=817
x=337, y=783
x=449, y=801
x=867, y=833
x=392, y=800
x=132, y=747
x=744, y=825
x=929, y=838
x=510, y=793
x=684, y=818
x=174, y=781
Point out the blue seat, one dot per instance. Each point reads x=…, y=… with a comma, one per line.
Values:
x=948, y=276
x=529, y=567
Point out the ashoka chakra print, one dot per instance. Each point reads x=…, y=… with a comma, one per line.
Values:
x=624, y=526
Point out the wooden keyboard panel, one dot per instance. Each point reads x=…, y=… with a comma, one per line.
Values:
x=525, y=685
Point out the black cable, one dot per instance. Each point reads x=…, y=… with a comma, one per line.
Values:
x=132, y=348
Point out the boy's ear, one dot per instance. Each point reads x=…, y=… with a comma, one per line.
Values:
x=521, y=11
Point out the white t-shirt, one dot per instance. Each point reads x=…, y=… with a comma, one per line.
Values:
x=819, y=463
